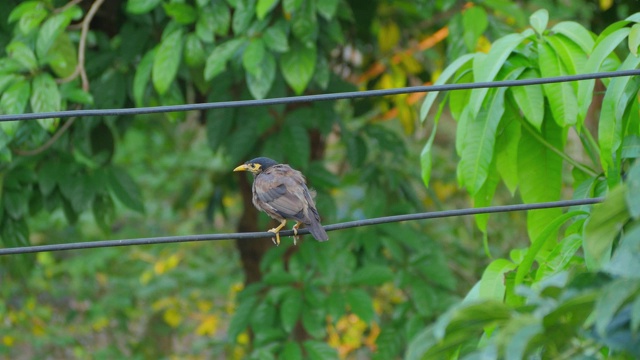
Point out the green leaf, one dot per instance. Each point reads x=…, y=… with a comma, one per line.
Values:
x=540, y=174
x=291, y=351
x=26, y=7
x=446, y=74
x=30, y=15
x=23, y=55
x=631, y=147
x=217, y=60
x=485, y=68
x=561, y=256
x=626, y=259
x=335, y=305
x=102, y=146
x=327, y=8
x=141, y=6
x=14, y=100
x=193, y=51
x=263, y=318
x=166, y=61
x=290, y=310
x=6, y=80
x=16, y=202
x=79, y=190
x=507, y=149
x=242, y=16
x=241, y=142
x=571, y=56
x=612, y=297
x=253, y=55
x=221, y=17
x=53, y=27
x=561, y=96
x=425, y=154
x=317, y=350
x=45, y=97
x=602, y=51
x=539, y=20
x=206, y=24
x=635, y=315
x=261, y=80
x=530, y=99
x=335, y=32
x=425, y=159
x=104, y=211
x=479, y=142
x=124, y=188
x=298, y=66
x=8, y=130
x=14, y=234
x=323, y=73
x=634, y=39
x=603, y=227
x=466, y=322
x=63, y=57
x=304, y=24
x=539, y=242
x=180, y=12
x=361, y=304
x=142, y=76
x=264, y=7
x=275, y=37
x=291, y=6
x=577, y=33
x=313, y=324
x=48, y=176
x=421, y=343
x=219, y=124
x=241, y=318
x=492, y=283
x=474, y=23
x=620, y=94
x=371, y=275
x=356, y=150
x=296, y=144
x=9, y=65
x=633, y=191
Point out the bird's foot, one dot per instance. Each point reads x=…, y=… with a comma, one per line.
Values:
x=276, y=240
x=295, y=233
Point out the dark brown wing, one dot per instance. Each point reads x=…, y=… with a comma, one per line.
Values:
x=281, y=192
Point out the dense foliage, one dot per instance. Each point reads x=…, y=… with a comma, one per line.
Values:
x=412, y=290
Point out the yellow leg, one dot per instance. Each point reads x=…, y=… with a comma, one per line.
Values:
x=295, y=232
x=276, y=231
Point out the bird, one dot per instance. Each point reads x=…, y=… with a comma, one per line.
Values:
x=282, y=193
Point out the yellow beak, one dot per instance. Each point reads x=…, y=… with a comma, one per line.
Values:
x=242, y=167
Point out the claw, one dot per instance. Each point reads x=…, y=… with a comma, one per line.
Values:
x=295, y=232
x=276, y=231
x=276, y=240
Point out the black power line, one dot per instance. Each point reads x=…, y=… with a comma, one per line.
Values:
x=256, y=235
x=319, y=97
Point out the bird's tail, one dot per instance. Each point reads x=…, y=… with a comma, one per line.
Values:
x=318, y=231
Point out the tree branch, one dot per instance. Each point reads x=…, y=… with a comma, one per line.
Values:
x=49, y=142
x=82, y=48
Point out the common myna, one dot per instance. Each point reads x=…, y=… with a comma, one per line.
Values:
x=282, y=193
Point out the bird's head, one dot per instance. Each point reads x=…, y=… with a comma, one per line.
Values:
x=256, y=165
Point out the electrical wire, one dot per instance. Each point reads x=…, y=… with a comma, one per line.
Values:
x=319, y=97
x=333, y=227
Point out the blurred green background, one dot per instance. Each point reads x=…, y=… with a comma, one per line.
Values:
x=367, y=293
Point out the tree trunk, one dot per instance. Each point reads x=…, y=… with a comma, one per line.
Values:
x=252, y=250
